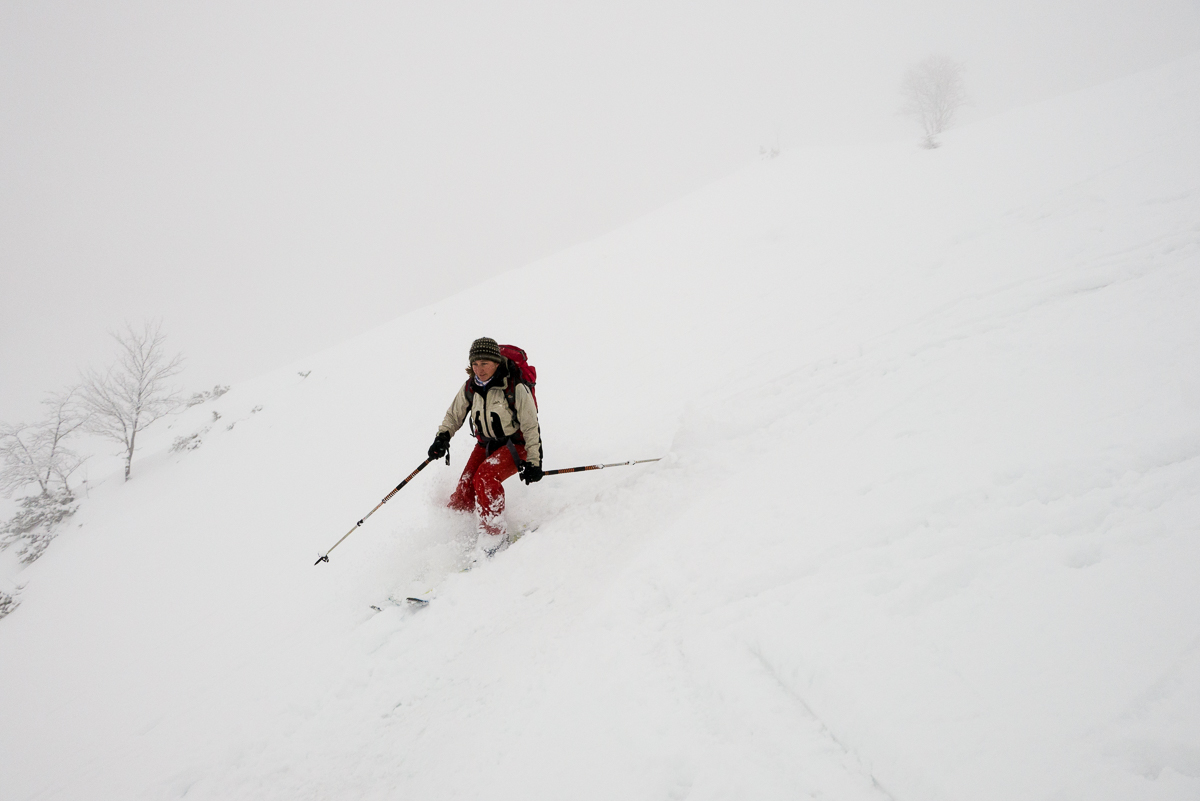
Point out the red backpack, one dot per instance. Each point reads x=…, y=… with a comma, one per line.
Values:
x=526, y=374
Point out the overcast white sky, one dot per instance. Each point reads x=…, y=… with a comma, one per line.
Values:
x=269, y=178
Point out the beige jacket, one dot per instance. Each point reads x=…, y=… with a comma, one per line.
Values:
x=492, y=417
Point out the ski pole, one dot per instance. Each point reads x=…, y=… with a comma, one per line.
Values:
x=399, y=487
x=596, y=467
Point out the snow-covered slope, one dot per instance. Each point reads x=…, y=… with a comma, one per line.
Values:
x=927, y=525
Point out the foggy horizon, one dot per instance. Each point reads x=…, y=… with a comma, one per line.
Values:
x=268, y=181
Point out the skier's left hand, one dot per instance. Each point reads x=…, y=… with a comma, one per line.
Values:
x=530, y=472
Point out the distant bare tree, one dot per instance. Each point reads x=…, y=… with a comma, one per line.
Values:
x=933, y=91
x=36, y=454
x=134, y=392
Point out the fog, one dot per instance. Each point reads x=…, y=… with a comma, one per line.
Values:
x=270, y=178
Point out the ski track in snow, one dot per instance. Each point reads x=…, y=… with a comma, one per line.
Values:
x=926, y=527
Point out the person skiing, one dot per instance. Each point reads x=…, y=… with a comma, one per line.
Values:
x=502, y=412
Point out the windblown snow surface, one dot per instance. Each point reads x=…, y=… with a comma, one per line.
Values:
x=927, y=526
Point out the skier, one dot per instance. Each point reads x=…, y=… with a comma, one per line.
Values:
x=498, y=401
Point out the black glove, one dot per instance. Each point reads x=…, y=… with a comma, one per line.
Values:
x=440, y=446
x=530, y=472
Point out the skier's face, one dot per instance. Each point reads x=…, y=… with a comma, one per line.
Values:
x=484, y=369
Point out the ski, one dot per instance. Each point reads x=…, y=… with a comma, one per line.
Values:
x=416, y=602
x=522, y=531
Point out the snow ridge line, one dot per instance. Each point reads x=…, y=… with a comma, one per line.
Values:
x=850, y=753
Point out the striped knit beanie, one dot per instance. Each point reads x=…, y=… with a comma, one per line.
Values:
x=487, y=349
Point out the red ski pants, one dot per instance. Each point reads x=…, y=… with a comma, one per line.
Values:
x=480, y=487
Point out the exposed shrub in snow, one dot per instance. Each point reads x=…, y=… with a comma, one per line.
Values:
x=204, y=397
x=34, y=527
x=188, y=443
x=8, y=602
x=192, y=441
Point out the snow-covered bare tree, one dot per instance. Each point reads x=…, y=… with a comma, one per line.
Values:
x=135, y=391
x=37, y=454
x=933, y=92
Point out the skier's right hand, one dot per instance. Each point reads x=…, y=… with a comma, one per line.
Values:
x=440, y=446
x=530, y=472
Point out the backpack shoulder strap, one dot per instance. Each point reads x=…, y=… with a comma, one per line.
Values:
x=469, y=394
x=510, y=393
